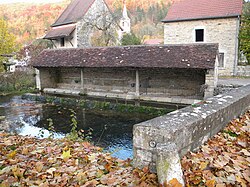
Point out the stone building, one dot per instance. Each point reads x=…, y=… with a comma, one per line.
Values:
x=207, y=21
x=80, y=23
x=164, y=73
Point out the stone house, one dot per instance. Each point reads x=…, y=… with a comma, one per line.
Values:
x=207, y=21
x=163, y=73
x=79, y=23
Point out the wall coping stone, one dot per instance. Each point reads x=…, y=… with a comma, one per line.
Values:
x=187, y=128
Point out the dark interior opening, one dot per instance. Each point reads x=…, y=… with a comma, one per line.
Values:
x=199, y=35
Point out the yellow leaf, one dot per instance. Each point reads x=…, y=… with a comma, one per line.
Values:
x=210, y=183
x=17, y=172
x=66, y=155
x=203, y=165
x=12, y=154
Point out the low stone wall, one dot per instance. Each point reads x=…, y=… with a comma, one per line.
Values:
x=243, y=71
x=187, y=128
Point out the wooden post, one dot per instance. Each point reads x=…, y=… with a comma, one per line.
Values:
x=82, y=84
x=137, y=83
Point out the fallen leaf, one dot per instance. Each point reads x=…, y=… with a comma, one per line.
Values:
x=11, y=154
x=174, y=183
x=39, y=166
x=210, y=183
x=51, y=170
x=66, y=155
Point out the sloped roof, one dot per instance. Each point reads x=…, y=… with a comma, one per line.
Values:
x=203, y=9
x=198, y=56
x=60, y=31
x=75, y=11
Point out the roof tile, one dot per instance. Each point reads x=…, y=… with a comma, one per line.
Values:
x=198, y=56
x=203, y=9
x=75, y=11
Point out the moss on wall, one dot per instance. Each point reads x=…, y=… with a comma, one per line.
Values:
x=98, y=105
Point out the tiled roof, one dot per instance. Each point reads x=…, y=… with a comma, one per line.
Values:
x=198, y=56
x=60, y=31
x=203, y=9
x=75, y=11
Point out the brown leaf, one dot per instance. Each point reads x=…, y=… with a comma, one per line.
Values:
x=174, y=183
x=39, y=166
x=246, y=175
x=25, y=151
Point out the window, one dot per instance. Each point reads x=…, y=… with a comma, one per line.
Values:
x=221, y=59
x=199, y=35
x=62, y=42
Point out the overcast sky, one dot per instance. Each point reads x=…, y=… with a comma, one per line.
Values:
x=28, y=1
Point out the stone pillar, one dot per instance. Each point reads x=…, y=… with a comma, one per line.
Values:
x=38, y=79
x=168, y=165
x=137, y=83
x=211, y=80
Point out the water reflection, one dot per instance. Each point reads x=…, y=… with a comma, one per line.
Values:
x=111, y=130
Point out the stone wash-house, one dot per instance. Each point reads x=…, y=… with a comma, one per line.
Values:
x=164, y=73
x=80, y=21
x=206, y=21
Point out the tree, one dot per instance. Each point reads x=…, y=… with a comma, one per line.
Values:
x=130, y=39
x=245, y=31
x=7, y=42
x=103, y=28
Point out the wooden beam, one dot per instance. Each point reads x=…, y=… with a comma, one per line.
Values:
x=137, y=83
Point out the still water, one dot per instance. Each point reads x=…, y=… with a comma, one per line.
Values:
x=111, y=130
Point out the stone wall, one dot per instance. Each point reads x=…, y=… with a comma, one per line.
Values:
x=243, y=71
x=153, y=82
x=222, y=31
x=187, y=128
x=48, y=77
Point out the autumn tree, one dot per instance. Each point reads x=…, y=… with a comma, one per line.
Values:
x=7, y=42
x=245, y=31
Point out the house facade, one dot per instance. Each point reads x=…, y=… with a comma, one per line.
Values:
x=202, y=21
x=78, y=25
x=164, y=73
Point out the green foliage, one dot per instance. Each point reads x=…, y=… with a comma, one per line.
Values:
x=130, y=39
x=245, y=31
x=7, y=41
x=51, y=129
x=76, y=135
x=17, y=82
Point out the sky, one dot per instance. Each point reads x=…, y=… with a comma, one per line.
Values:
x=28, y=1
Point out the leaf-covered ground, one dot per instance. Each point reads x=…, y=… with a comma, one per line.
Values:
x=24, y=161
x=224, y=161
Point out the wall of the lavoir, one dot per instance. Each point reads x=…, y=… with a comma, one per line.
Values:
x=153, y=82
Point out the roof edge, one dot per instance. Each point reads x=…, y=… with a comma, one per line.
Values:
x=61, y=24
x=201, y=18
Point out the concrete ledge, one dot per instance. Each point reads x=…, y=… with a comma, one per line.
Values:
x=187, y=128
x=119, y=95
